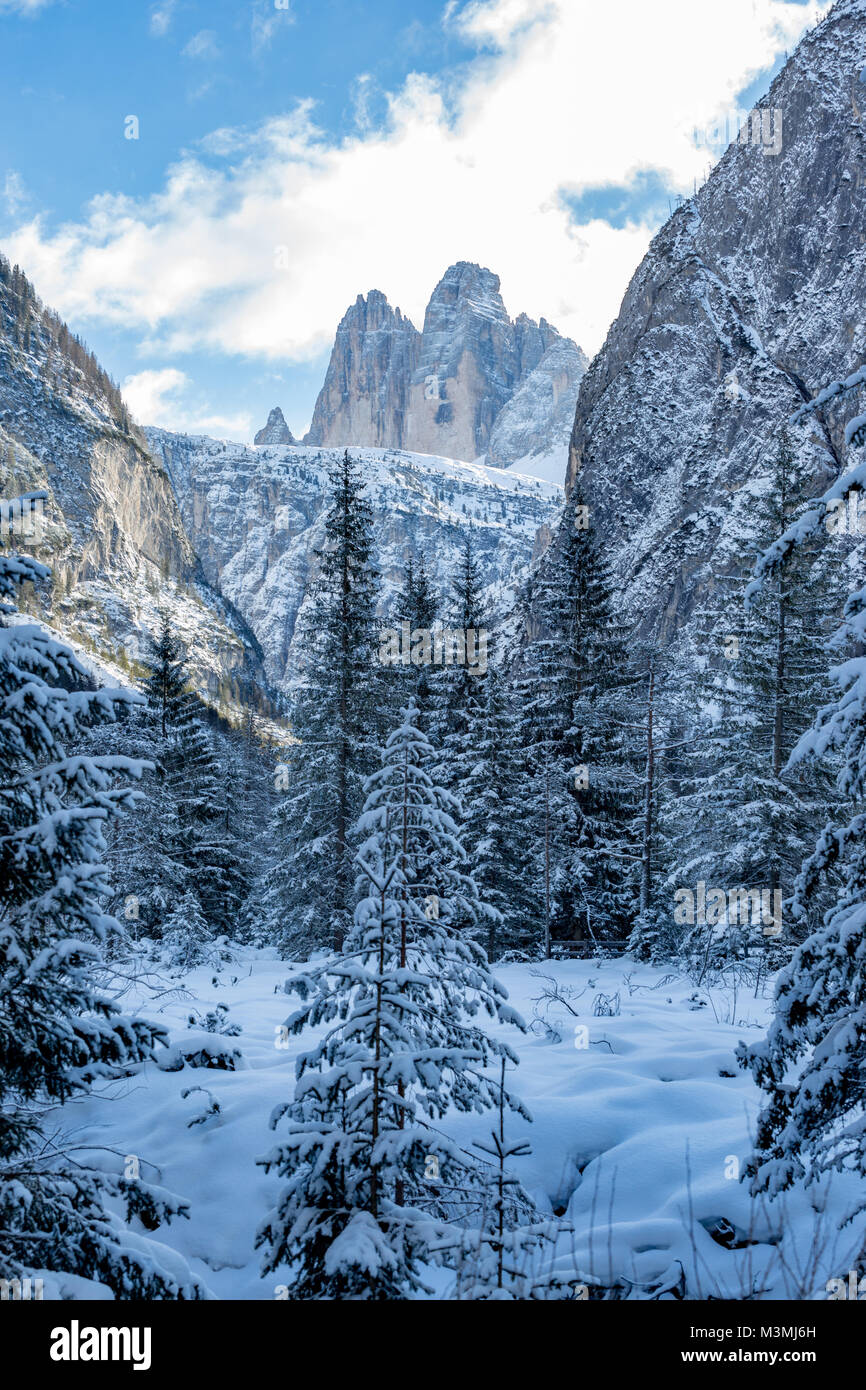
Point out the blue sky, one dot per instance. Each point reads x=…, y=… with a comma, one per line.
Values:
x=288, y=158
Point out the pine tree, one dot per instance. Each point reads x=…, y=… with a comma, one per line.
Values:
x=369, y=1175
x=186, y=937
x=205, y=843
x=418, y=604
x=499, y=1256
x=745, y=819
x=812, y=1062
x=492, y=828
x=573, y=685
x=464, y=696
x=337, y=723
x=55, y=1025
x=166, y=679
x=189, y=834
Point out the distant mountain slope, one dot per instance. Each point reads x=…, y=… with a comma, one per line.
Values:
x=256, y=517
x=748, y=301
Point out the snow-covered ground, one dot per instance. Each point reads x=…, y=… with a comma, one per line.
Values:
x=639, y=1125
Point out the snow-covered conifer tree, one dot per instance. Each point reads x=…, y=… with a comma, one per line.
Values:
x=337, y=720
x=573, y=686
x=186, y=937
x=744, y=817
x=812, y=1062
x=56, y=1027
x=371, y=1179
x=492, y=826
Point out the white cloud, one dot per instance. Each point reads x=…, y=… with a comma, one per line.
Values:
x=162, y=398
x=363, y=90
x=268, y=17
x=26, y=7
x=161, y=16
x=258, y=242
x=15, y=195
x=202, y=45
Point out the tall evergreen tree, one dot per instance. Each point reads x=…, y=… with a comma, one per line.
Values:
x=55, y=1024
x=812, y=1062
x=337, y=720
x=205, y=839
x=464, y=699
x=573, y=685
x=492, y=825
x=166, y=679
x=745, y=818
x=418, y=604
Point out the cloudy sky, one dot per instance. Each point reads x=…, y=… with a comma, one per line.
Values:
x=201, y=187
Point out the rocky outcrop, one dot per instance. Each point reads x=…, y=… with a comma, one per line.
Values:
x=469, y=366
x=444, y=391
x=749, y=300
x=537, y=420
x=276, y=431
x=364, y=398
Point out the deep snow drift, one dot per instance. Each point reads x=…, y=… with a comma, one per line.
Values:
x=639, y=1123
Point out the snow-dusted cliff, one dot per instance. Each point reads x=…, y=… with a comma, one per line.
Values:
x=749, y=300
x=112, y=533
x=255, y=517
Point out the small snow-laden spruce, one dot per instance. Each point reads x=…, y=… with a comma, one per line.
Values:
x=373, y=1183
x=813, y=1060
x=186, y=940
x=56, y=1030
x=499, y=1255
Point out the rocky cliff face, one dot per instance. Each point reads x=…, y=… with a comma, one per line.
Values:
x=537, y=420
x=749, y=300
x=446, y=390
x=364, y=398
x=112, y=533
x=256, y=518
x=469, y=366
x=276, y=431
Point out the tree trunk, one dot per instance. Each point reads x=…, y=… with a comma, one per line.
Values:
x=646, y=858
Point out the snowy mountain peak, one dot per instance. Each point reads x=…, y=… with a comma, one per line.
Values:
x=363, y=400
x=276, y=431
x=443, y=391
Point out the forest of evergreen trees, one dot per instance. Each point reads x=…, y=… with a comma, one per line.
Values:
x=585, y=793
